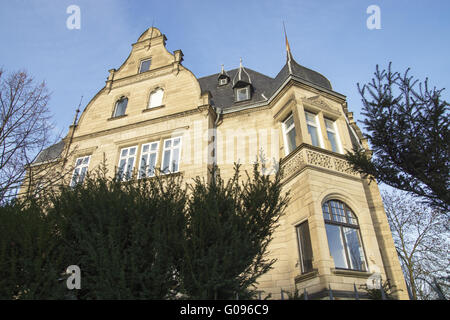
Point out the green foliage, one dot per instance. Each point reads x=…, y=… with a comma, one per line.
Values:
x=29, y=253
x=229, y=228
x=125, y=237
x=408, y=130
x=141, y=239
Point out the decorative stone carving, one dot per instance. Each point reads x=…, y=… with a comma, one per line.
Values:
x=295, y=163
x=319, y=159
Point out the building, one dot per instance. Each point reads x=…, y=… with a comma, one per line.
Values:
x=154, y=113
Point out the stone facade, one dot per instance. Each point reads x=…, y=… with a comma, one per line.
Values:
x=212, y=131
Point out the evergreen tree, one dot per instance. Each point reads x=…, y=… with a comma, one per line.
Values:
x=229, y=227
x=408, y=130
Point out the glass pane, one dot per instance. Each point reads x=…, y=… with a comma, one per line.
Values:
x=351, y=217
x=176, y=142
x=124, y=153
x=79, y=160
x=242, y=94
x=313, y=134
x=121, y=107
x=326, y=213
x=154, y=146
x=82, y=174
x=166, y=161
x=332, y=139
x=290, y=137
x=329, y=124
x=354, y=249
x=129, y=169
x=145, y=148
x=175, y=160
x=151, y=165
x=156, y=98
x=132, y=151
x=168, y=143
x=86, y=160
x=145, y=65
x=336, y=245
x=143, y=168
x=337, y=209
x=289, y=122
x=310, y=118
x=76, y=173
x=304, y=240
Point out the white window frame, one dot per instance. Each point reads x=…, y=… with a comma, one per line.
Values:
x=223, y=81
x=247, y=92
x=148, y=154
x=334, y=131
x=76, y=180
x=315, y=124
x=126, y=157
x=140, y=65
x=286, y=131
x=171, y=148
x=153, y=94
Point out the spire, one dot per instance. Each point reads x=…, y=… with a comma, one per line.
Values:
x=242, y=75
x=288, y=50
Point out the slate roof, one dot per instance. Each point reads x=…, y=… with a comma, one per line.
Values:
x=223, y=96
x=51, y=153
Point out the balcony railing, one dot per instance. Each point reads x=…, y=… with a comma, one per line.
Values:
x=305, y=156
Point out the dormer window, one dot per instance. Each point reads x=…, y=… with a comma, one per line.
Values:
x=223, y=81
x=145, y=65
x=242, y=93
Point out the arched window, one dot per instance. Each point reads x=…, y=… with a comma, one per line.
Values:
x=344, y=238
x=121, y=106
x=156, y=98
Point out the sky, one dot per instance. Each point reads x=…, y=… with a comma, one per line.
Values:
x=328, y=36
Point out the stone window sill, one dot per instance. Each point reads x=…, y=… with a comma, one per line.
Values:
x=118, y=117
x=306, y=276
x=154, y=108
x=351, y=273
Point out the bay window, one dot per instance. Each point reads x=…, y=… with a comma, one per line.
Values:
x=289, y=134
x=344, y=239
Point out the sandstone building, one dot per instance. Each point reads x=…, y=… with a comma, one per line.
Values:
x=154, y=113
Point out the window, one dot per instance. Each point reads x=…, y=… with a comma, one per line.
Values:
x=344, y=239
x=289, y=134
x=126, y=163
x=331, y=134
x=121, y=106
x=148, y=159
x=145, y=65
x=243, y=94
x=305, y=249
x=156, y=98
x=171, y=155
x=313, y=128
x=223, y=81
x=81, y=167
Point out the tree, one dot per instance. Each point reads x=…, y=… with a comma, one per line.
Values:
x=408, y=130
x=24, y=127
x=229, y=227
x=421, y=239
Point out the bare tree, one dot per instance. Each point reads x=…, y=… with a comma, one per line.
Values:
x=421, y=237
x=25, y=128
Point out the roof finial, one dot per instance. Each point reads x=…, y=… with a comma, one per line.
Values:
x=288, y=50
x=76, y=112
x=151, y=34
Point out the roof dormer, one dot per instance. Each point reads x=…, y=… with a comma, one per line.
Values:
x=223, y=78
x=242, y=84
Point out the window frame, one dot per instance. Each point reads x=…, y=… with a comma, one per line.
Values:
x=349, y=225
x=124, y=177
x=150, y=98
x=247, y=90
x=286, y=131
x=123, y=98
x=171, y=148
x=143, y=61
x=223, y=81
x=316, y=125
x=304, y=269
x=335, y=132
x=149, y=153
x=81, y=166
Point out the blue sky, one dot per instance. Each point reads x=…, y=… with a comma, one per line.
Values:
x=328, y=36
